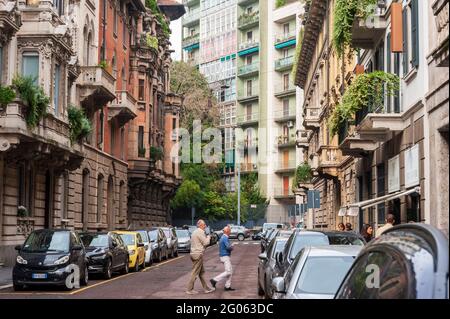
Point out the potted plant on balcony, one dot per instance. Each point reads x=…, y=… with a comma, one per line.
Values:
x=80, y=126
x=141, y=151
x=22, y=212
x=7, y=95
x=303, y=177
x=156, y=153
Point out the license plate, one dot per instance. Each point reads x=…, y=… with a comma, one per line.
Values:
x=39, y=276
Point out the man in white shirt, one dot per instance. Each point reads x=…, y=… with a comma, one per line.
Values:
x=390, y=220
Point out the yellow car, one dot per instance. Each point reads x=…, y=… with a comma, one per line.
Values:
x=136, y=248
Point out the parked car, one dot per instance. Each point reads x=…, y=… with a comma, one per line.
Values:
x=172, y=240
x=148, y=247
x=345, y=238
x=184, y=240
x=267, y=226
x=258, y=235
x=136, y=248
x=215, y=235
x=298, y=240
x=158, y=241
x=414, y=259
x=106, y=252
x=266, y=266
x=268, y=235
x=239, y=233
x=45, y=256
x=316, y=272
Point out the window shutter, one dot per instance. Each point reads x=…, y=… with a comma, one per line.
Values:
x=415, y=32
x=405, y=41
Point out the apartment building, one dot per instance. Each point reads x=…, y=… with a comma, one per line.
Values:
x=386, y=145
x=81, y=56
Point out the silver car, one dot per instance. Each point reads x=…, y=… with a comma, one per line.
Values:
x=184, y=240
x=267, y=263
x=316, y=273
x=172, y=240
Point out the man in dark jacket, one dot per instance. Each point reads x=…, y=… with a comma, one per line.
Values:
x=225, y=249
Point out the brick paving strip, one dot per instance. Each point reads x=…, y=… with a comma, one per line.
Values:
x=168, y=280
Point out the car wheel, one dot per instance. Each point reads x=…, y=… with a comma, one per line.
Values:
x=126, y=267
x=108, y=270
x=241, y=237
x=85, y=280
x=18, y=287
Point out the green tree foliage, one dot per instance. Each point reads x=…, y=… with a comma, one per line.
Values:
x=153, y=6
x=188, y=195
x=7, y=95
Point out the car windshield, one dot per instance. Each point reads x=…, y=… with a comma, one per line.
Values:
x=181, y=233
x=153, y=235
x=301, y=241
x=94, y=240
x=128, y=239
x=323, y=275
x=47, y=241
x=143, y=235
x=343, y=239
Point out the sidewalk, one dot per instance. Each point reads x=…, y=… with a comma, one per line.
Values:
x=5, y=276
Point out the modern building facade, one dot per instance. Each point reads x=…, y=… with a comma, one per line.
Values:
x=255, y=92
x=384, y=152
x=81, y=55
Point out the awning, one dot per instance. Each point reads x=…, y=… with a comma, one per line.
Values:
x=375, y=201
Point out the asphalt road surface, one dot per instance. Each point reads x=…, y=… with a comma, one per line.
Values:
x=165, y=280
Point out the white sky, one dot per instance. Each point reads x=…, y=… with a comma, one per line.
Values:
x=175, y=39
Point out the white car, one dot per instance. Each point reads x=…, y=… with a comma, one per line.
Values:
x=184, y=240
x=316, y=273
x=148, y=247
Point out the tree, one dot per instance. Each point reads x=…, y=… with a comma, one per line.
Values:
x=188, y=195
x=199, y=102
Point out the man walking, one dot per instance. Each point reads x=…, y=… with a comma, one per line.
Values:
x=225, y=249
x=390, y=220
x=199, y=241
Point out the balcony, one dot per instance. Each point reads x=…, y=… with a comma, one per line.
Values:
x=248, y=70
x=285, y=90
x=248, y=20
x=191, y=41
x=248, y=95
x=303, y=139
x=10, y=22
x=247, y=168
x=351, y=144
x=329, y=159
x=281, y=116
x=311, y=118
x=47, y=144
x=283, y=193
x=248, y=47
x=374, y=123
x=286, y=167
x=284, y=64
x=285, y=141
x=123, y=109
x=97, y=87
x=367, y=33
x=191, y=18
x=248, y=119
x=285, y=40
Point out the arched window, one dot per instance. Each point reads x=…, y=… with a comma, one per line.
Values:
x=110, y=204
x=85, y=199
x=124, y=78
x=100, y=195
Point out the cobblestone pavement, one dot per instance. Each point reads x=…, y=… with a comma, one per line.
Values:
x=166, y=280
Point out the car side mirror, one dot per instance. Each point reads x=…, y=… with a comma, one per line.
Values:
x=18, y=247
x=140, y=245
x=278, y=285
x=262, y=256
x=77, y=247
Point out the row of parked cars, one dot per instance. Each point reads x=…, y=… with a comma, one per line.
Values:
x=50, y=256
x=407, y=261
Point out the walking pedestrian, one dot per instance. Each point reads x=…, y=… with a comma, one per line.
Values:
x=341, y=227
x=390, y=221
x=225, y=249
x=199, y=241
x=367, y=232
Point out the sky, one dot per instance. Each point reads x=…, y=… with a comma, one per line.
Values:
x=175, y=39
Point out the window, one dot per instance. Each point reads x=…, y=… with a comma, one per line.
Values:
x=124, y=78
x=174, y=123
x=286, y=28
x=380, y=192
x=30, y=65
x=100, y=194
x=121, y=198
x=249, y=59
x=141, y=150
x=286, y=81
x=64, y=195
x=59, y=6
x=100, y=130
x=410, y=36
x=124, y=32
x=26, y=186
x=249, y=36
x=122, y=143
x=113, y=137
x=115, y=21
x=249, y=88
x=56, y=89
x=141, y=93
x=286, y=107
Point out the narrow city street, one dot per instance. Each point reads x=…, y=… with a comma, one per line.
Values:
x=165, y=280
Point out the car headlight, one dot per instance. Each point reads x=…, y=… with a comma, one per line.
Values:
x=62, y=260
x=131, y=252
x=20, y=260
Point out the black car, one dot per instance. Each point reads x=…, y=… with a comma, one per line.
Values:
x=345, y=238
x=411, y=261
x=257, y=236
x=49, y=256
x=158, y=240
x=106, y=252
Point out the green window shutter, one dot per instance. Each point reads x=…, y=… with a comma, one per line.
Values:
x=415, y=32
x=405, y=41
